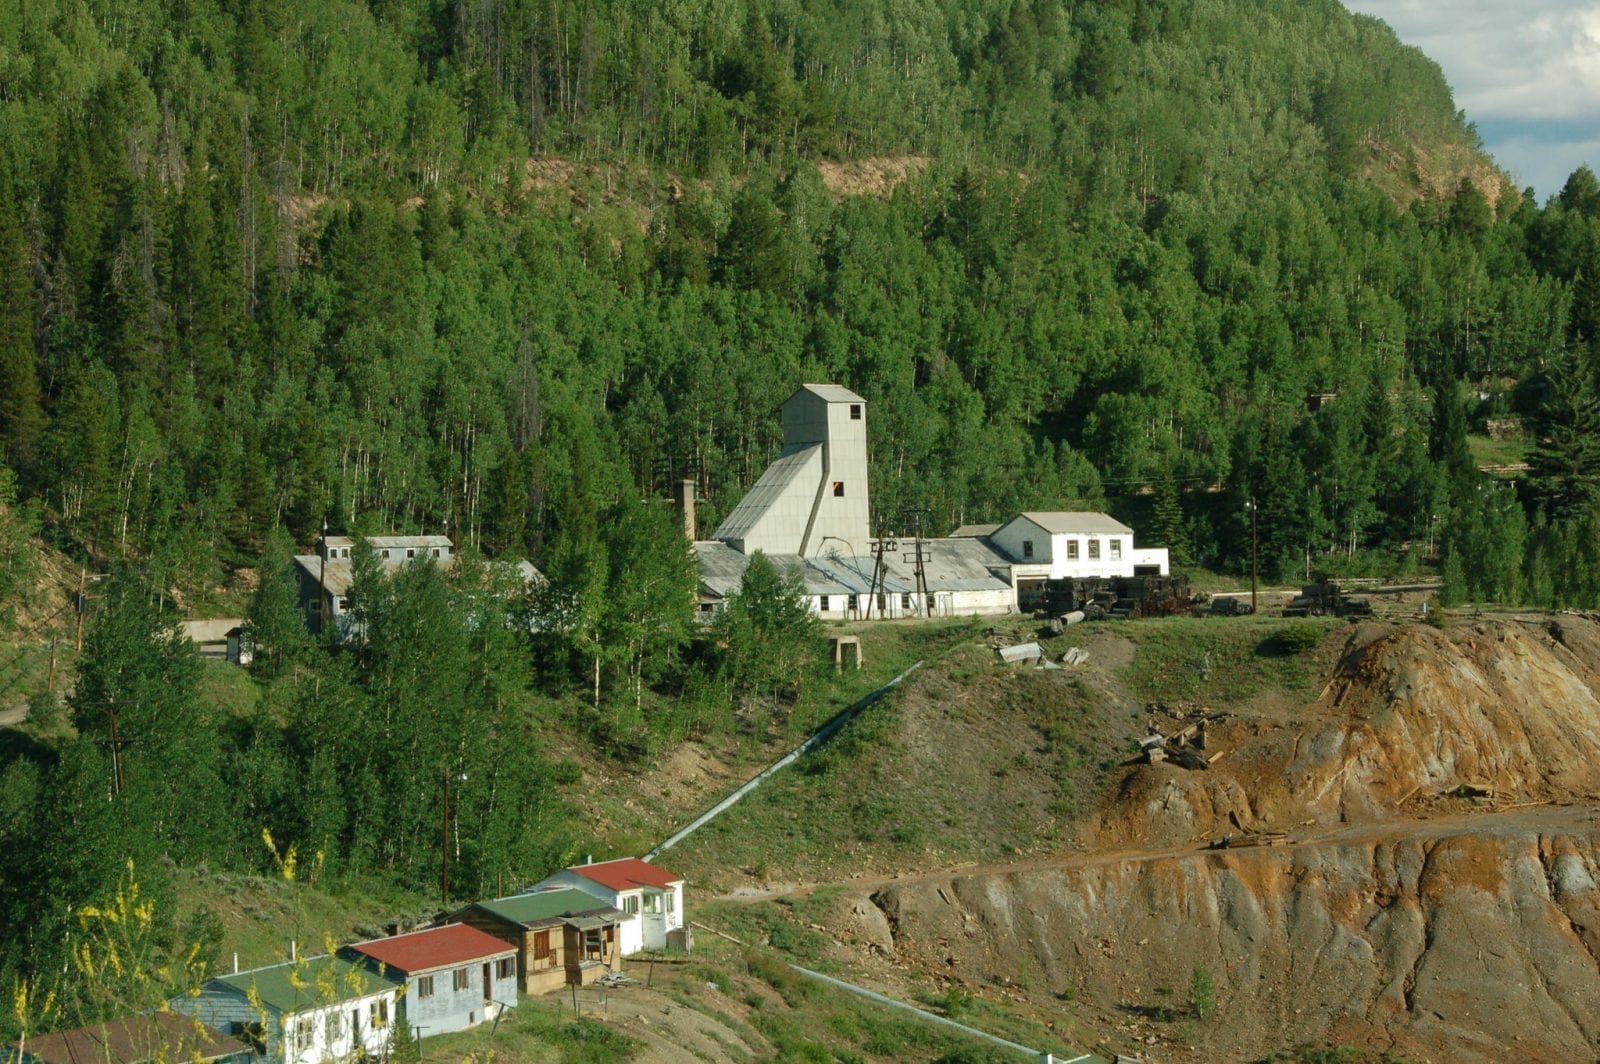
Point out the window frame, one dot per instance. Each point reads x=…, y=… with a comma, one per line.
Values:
x=1072, y=550
x=424, y=987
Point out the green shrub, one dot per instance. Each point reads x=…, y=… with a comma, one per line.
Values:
x=1297, y=637
x=1202, y=994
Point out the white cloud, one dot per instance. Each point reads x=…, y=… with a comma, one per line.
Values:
x=1528, y=74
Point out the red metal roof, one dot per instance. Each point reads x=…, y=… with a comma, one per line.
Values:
x=627, y=873
x=439, y=947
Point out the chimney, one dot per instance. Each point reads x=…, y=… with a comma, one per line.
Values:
x=294, y=951
x=235, y=964
x=684, y=497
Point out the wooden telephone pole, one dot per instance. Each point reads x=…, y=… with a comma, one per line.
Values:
x=880, y=572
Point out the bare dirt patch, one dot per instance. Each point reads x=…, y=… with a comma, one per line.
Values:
x=876, y=176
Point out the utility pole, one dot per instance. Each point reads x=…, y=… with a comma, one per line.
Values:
x=880, y=571
x=322, y=583
x=82, y=603
x=444, y=846
x=1252, y=554
x=118, y=778
x=919, y=567
x=116, y=750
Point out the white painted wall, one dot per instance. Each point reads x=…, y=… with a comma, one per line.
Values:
x=809, y=418
x=1067, y=555
x=639, y=929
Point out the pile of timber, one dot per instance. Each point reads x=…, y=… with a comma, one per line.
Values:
x=1185, y=746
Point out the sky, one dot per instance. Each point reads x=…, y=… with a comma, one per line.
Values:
x=1527, y=74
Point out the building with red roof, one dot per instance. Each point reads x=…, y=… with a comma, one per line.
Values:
x=649, y=896
x=456, y=976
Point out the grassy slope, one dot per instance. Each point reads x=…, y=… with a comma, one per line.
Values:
x=975, y=761
x=756, y=1007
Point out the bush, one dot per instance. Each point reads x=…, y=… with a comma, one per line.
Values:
x=1297, y=637
x=1202, y=994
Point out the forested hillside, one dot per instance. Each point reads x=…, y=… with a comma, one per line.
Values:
x=509, y=268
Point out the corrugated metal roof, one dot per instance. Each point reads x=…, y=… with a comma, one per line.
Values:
x=310, y=983
x=409, y=541
x=547, y=907
x=1091, y=522
x=950, y=565
x=336, y=576
x=832, y=393
x=625, y=873
x=134, y=1040
x=784, y=471
x=438, y=947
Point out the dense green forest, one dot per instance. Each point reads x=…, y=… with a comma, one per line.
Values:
x=510, y=268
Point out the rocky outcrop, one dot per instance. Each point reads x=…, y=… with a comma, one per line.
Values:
x=1513, y=708
x=1456, y=943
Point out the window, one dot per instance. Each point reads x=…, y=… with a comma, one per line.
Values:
x=672, y=900
x=461, y=981
x=541, y=945
x=251, y=1033
x=838, y=489
x=380, y=1014
x=411, y=552
x=855, y=411
x=630, y=905
x=333, y=1027
x=652, y=903
x=1094, y=548
x=344, y=604
x=1072, y=550
x=436, y=552
x=1116, y=548
x=905, y=601
x=302, y=1035
x=1027, y=548
x=851, y=603
x=425, y=986
x=822, y=603
x=344, y=552
x=386, y=553
x=503, y=967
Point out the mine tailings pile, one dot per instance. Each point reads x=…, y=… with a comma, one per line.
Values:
x=1434, y=894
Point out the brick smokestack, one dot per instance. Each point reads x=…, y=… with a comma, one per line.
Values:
x=684, y=497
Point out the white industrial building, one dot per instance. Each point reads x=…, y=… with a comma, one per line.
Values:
x=809, y=513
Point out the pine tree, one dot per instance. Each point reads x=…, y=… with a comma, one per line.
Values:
x=276, y=621
x=22, y=420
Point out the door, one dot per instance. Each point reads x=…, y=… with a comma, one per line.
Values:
x=488, y=984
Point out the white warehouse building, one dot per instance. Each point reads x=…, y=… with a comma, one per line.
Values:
x=809, y=512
